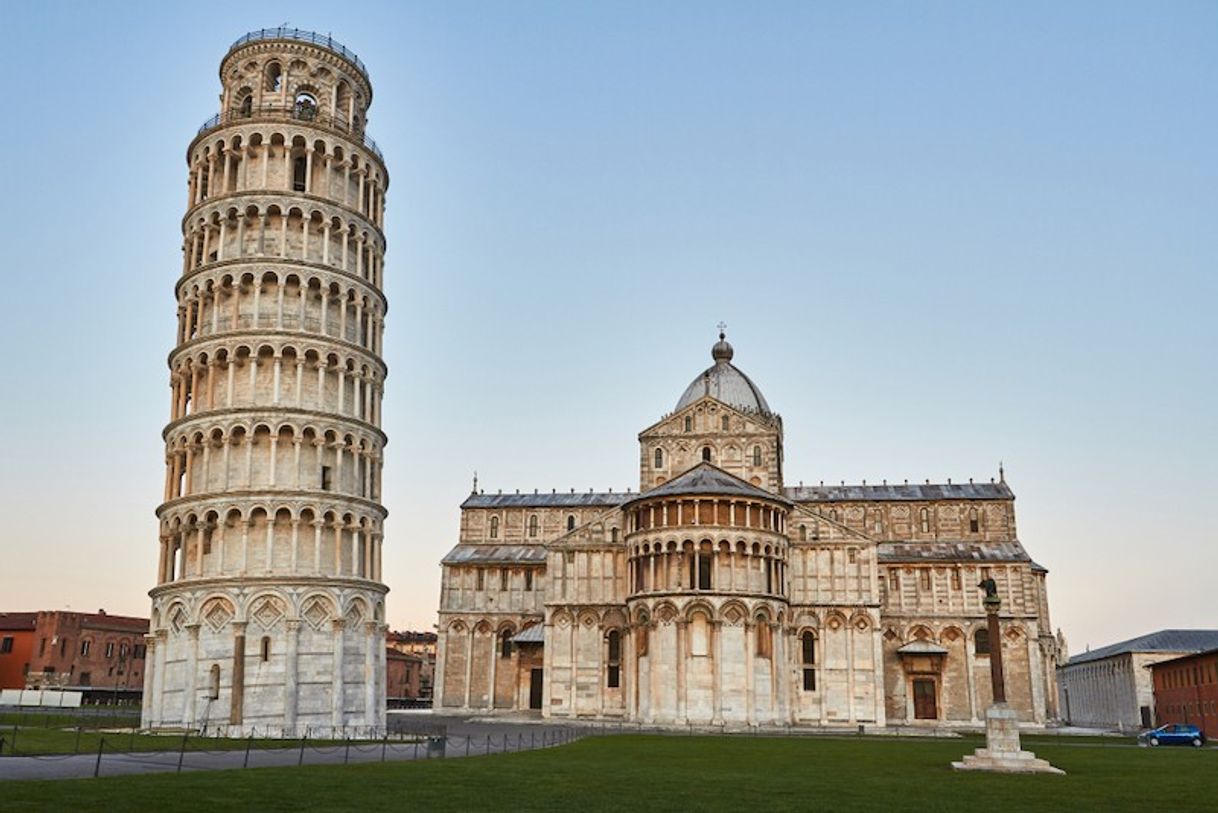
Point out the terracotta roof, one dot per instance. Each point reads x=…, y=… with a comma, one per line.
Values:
x=126, y=622
x=18, y=621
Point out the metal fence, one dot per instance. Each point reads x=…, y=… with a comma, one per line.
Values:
x=131, y=752
x=307, y=115
x=302, y=35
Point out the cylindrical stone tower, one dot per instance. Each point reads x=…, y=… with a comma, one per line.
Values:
x=269, y=607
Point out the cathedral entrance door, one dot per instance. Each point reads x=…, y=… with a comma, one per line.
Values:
x=535, y=683
x=925, y=705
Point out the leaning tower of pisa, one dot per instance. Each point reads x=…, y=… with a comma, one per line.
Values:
x=268, y=610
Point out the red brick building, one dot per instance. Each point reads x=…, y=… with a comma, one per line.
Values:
x=1186, y=691
x=16, y=644
x=81, y=650
x=403, y=675
x=421, y=645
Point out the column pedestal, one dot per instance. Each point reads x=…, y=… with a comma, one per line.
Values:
x=1002, y=753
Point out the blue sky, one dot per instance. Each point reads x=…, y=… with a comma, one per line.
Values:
x=941, y=235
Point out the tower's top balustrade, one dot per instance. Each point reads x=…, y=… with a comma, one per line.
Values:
x=301, y=35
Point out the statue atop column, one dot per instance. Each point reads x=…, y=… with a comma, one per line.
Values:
x=1002, y=752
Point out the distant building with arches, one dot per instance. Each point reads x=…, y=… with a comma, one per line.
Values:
x=719, y=595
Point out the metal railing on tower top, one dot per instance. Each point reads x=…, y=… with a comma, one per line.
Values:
x=300, y=35
x=280, y=113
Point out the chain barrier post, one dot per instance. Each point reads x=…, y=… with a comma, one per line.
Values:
x=384, y=745
x=416, y=750
x=303, y=740
x=182, y=751
x=249, y=741
x=101, y=743
x=488, y=744
x=347, y=752
x=467, y=739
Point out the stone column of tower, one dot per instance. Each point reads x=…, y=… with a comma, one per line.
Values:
x=268, y=610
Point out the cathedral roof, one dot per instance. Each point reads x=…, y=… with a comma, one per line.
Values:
x=951, y=551
x=706, y=478
x=606, y=499
x=495, y=555
x=898, y=493
x=724, y=382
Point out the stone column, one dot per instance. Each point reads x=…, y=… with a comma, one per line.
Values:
x=158, y=678
x=192, y=668
x=717, y=650
x=291, y=678
x=336, y=685
x=237, y=709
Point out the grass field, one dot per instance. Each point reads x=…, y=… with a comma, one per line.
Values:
x=43, y=734
x=634, y=772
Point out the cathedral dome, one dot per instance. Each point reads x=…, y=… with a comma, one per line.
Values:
x=725, y=383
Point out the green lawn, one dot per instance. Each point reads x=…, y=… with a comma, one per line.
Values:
x=639, y=772
x=36, y=735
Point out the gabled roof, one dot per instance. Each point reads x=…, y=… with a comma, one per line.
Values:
x=907, y=492
x=552, y=500
x=1161, y=641
x=707, y=478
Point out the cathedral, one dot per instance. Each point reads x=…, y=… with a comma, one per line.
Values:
x=719, y=595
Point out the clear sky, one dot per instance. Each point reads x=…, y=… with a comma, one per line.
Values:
x=942, y=235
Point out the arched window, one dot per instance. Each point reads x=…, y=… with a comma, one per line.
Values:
x=974, y=521
x=689, y=423
x=704, y=570
x=756, y=455
x=706, y=453
x=505, y=644
x=213, y=682
x=299, y=170
x=266, y=648
x=659, y=458
x=981, y=641
x=613, y=535
x=570, y=522
x=808, y=651
x=305, y=108
x=833, y=514
x=494, y=527
x=274, y=77
x=924, y=520
x=803, y=533
x=532, y=525
x=726, y=423
x=614, y=676
x=246, y=109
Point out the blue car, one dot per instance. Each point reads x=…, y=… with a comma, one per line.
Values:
x=1173, y=734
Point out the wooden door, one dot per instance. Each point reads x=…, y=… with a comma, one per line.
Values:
x=535, y=682
x=925, y=705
